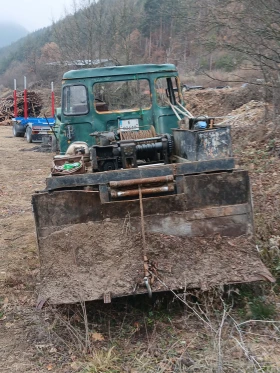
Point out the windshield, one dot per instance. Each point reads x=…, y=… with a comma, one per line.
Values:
x=126, y=95
x=74, y=100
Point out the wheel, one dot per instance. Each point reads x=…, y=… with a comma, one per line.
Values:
x=28, y=134
x=16, y=131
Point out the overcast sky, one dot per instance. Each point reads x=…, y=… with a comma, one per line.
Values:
x=33, y=14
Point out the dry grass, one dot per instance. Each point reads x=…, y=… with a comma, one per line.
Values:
x=227, y=330
x=210, y=334
x=103, y=361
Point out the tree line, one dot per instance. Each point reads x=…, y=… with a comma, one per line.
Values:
x=196, y=35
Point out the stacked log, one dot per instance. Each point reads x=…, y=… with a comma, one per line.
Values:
x=34, y=106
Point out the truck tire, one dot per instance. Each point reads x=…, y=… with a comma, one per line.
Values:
x=16, y=132
x=28, y=134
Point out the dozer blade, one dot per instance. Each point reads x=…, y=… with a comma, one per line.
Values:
x=198, y=238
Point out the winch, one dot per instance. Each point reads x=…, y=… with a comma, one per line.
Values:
x=112, y=153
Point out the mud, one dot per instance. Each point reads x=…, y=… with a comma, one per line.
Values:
x=85, y=261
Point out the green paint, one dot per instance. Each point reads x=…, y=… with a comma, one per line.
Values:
x=82, y=125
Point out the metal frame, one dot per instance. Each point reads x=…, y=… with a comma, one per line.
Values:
x=75, y=181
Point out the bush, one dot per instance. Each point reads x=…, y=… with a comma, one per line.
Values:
x=225, y=63
x=261, y=310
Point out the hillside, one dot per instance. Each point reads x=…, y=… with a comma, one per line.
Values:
x=11, y=32
x=199, y=37
x=123, y=32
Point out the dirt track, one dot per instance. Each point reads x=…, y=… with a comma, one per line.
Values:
x=22, y=172
x=25, y=341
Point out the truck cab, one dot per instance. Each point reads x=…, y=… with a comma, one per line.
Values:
x=106, y=99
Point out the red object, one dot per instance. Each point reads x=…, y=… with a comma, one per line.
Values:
x=52, y=104
x=15, y=103
x=52, y=100
x=25, y=103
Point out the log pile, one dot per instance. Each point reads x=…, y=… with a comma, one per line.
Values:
x=34, y=106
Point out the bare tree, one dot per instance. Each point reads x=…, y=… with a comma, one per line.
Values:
x=248, y=31
x=80, y=35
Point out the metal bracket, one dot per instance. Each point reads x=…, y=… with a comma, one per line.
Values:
x=146, y=282
x=179, y=184
x=104, y=193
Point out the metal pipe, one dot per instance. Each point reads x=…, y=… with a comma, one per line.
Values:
x=25, y=98
x=52, y=100
x=135, y=192
x=148, y=139
x=148, y=286
x=181, y=111
x=186, y=110
x=148, y=180
x=15, y=98
x=174, y=111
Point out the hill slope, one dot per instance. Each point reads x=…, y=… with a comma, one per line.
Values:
x=11, y=32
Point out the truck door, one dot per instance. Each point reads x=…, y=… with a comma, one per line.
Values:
x=76, y=118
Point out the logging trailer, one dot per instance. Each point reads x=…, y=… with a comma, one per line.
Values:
x=34, y=129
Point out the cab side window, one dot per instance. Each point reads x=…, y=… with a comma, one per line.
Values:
x=75, y=100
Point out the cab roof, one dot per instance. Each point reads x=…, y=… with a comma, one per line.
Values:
x=119, y=70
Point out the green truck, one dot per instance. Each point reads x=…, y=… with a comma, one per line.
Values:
x=143, y=196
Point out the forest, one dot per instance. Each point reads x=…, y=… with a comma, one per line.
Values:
x=239, y=38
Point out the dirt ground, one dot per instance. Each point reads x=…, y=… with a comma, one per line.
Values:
x=129, y=338
x=22, y=172
x=72, y=269
x=219, y=102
